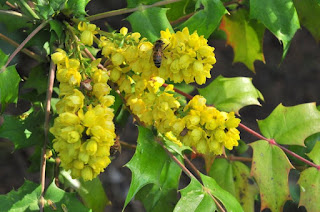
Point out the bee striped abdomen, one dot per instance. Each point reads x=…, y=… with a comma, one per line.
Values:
x=157, y=53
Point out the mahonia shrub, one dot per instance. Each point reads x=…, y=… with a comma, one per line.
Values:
x=84, y=131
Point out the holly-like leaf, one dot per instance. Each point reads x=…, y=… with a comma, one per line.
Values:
x=291, y=125
x=163, y=196
x=59, y=200
x=37, y=79
x=235, y=178
x=195, y=198
x=205, y=21
x=280, y=17
x=314, y=155
x=270, y=168
x=150, y=22
x=24, y=199
x=77, y=7
x=23, y=133
x=57, y=27
x=244, y=36
x=309, y=182
x=231, y=94
x=179, y=9
x=147, y=163
x=309, y=14
x=9, y=83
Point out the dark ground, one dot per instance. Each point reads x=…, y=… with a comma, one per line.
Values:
x=293, y=82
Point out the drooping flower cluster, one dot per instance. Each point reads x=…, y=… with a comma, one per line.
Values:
x=84, y=129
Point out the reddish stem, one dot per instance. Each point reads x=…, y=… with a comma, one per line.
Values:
x=188, y=96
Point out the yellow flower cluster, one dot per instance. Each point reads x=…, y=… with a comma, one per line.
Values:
x=186, y=57
x=84, y=129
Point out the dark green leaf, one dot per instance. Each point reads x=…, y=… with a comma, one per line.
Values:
x=231, y=94
x=24, y=199
x=206, y=20
x=195, y=198
x=135, y=3
x=162, y=196
x=13, y=22
x=245, y=36
x=150, y=22
x=147, y=163
x=314, y=155
x=229, y=201
x=280, y=17
x=270, y=168
x=291, y=125
x=179, y=9
x=59, y=200
x=309, y=182
x=309, y=16
x=23, y=133
x=37, y=79
x=235, y=178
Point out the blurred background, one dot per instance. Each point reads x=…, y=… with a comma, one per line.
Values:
x=295, y=80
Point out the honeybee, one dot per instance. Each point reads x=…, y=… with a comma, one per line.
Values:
x=158, y=52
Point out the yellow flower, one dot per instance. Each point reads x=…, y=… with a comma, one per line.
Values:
x=88, y=30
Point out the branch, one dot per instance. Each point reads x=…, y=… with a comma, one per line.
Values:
x=46, y=129
x=25, y=51
x=14, y=13
x=128, y=10
x=31, y=35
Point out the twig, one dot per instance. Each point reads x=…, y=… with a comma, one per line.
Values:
x=46, y=129
x=188, y=96
x=29, y=9
x=128, y=10
x=11, y=5
x=25, y=51
x=192, y=166
x=181, y=19
x=129, y=146
x=14, y=13
x=31, y=35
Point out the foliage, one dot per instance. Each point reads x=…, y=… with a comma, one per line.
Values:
x=149, y=73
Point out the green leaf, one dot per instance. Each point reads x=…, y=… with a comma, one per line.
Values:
x=23, y=133
x=206, y=20
x=309, y=182
x=150, y=22
x=280, y=17
x=135, y=3
x=195, y=198
x=270, y=168
x=14, y=22
x=231, y=94
x=291, y=125
x=309, y=16
x=37, y=79
x=59, y=200
x=163, y=195
x=77, y=7
x=24, y=199
x=46, y=8
x=9, y=85
x=57, y=27
x=147, y=163
x=93, y=195
x=229, y=201
x=314, y=155
x=235, y=178
x=179, y=9
x=244, y=36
